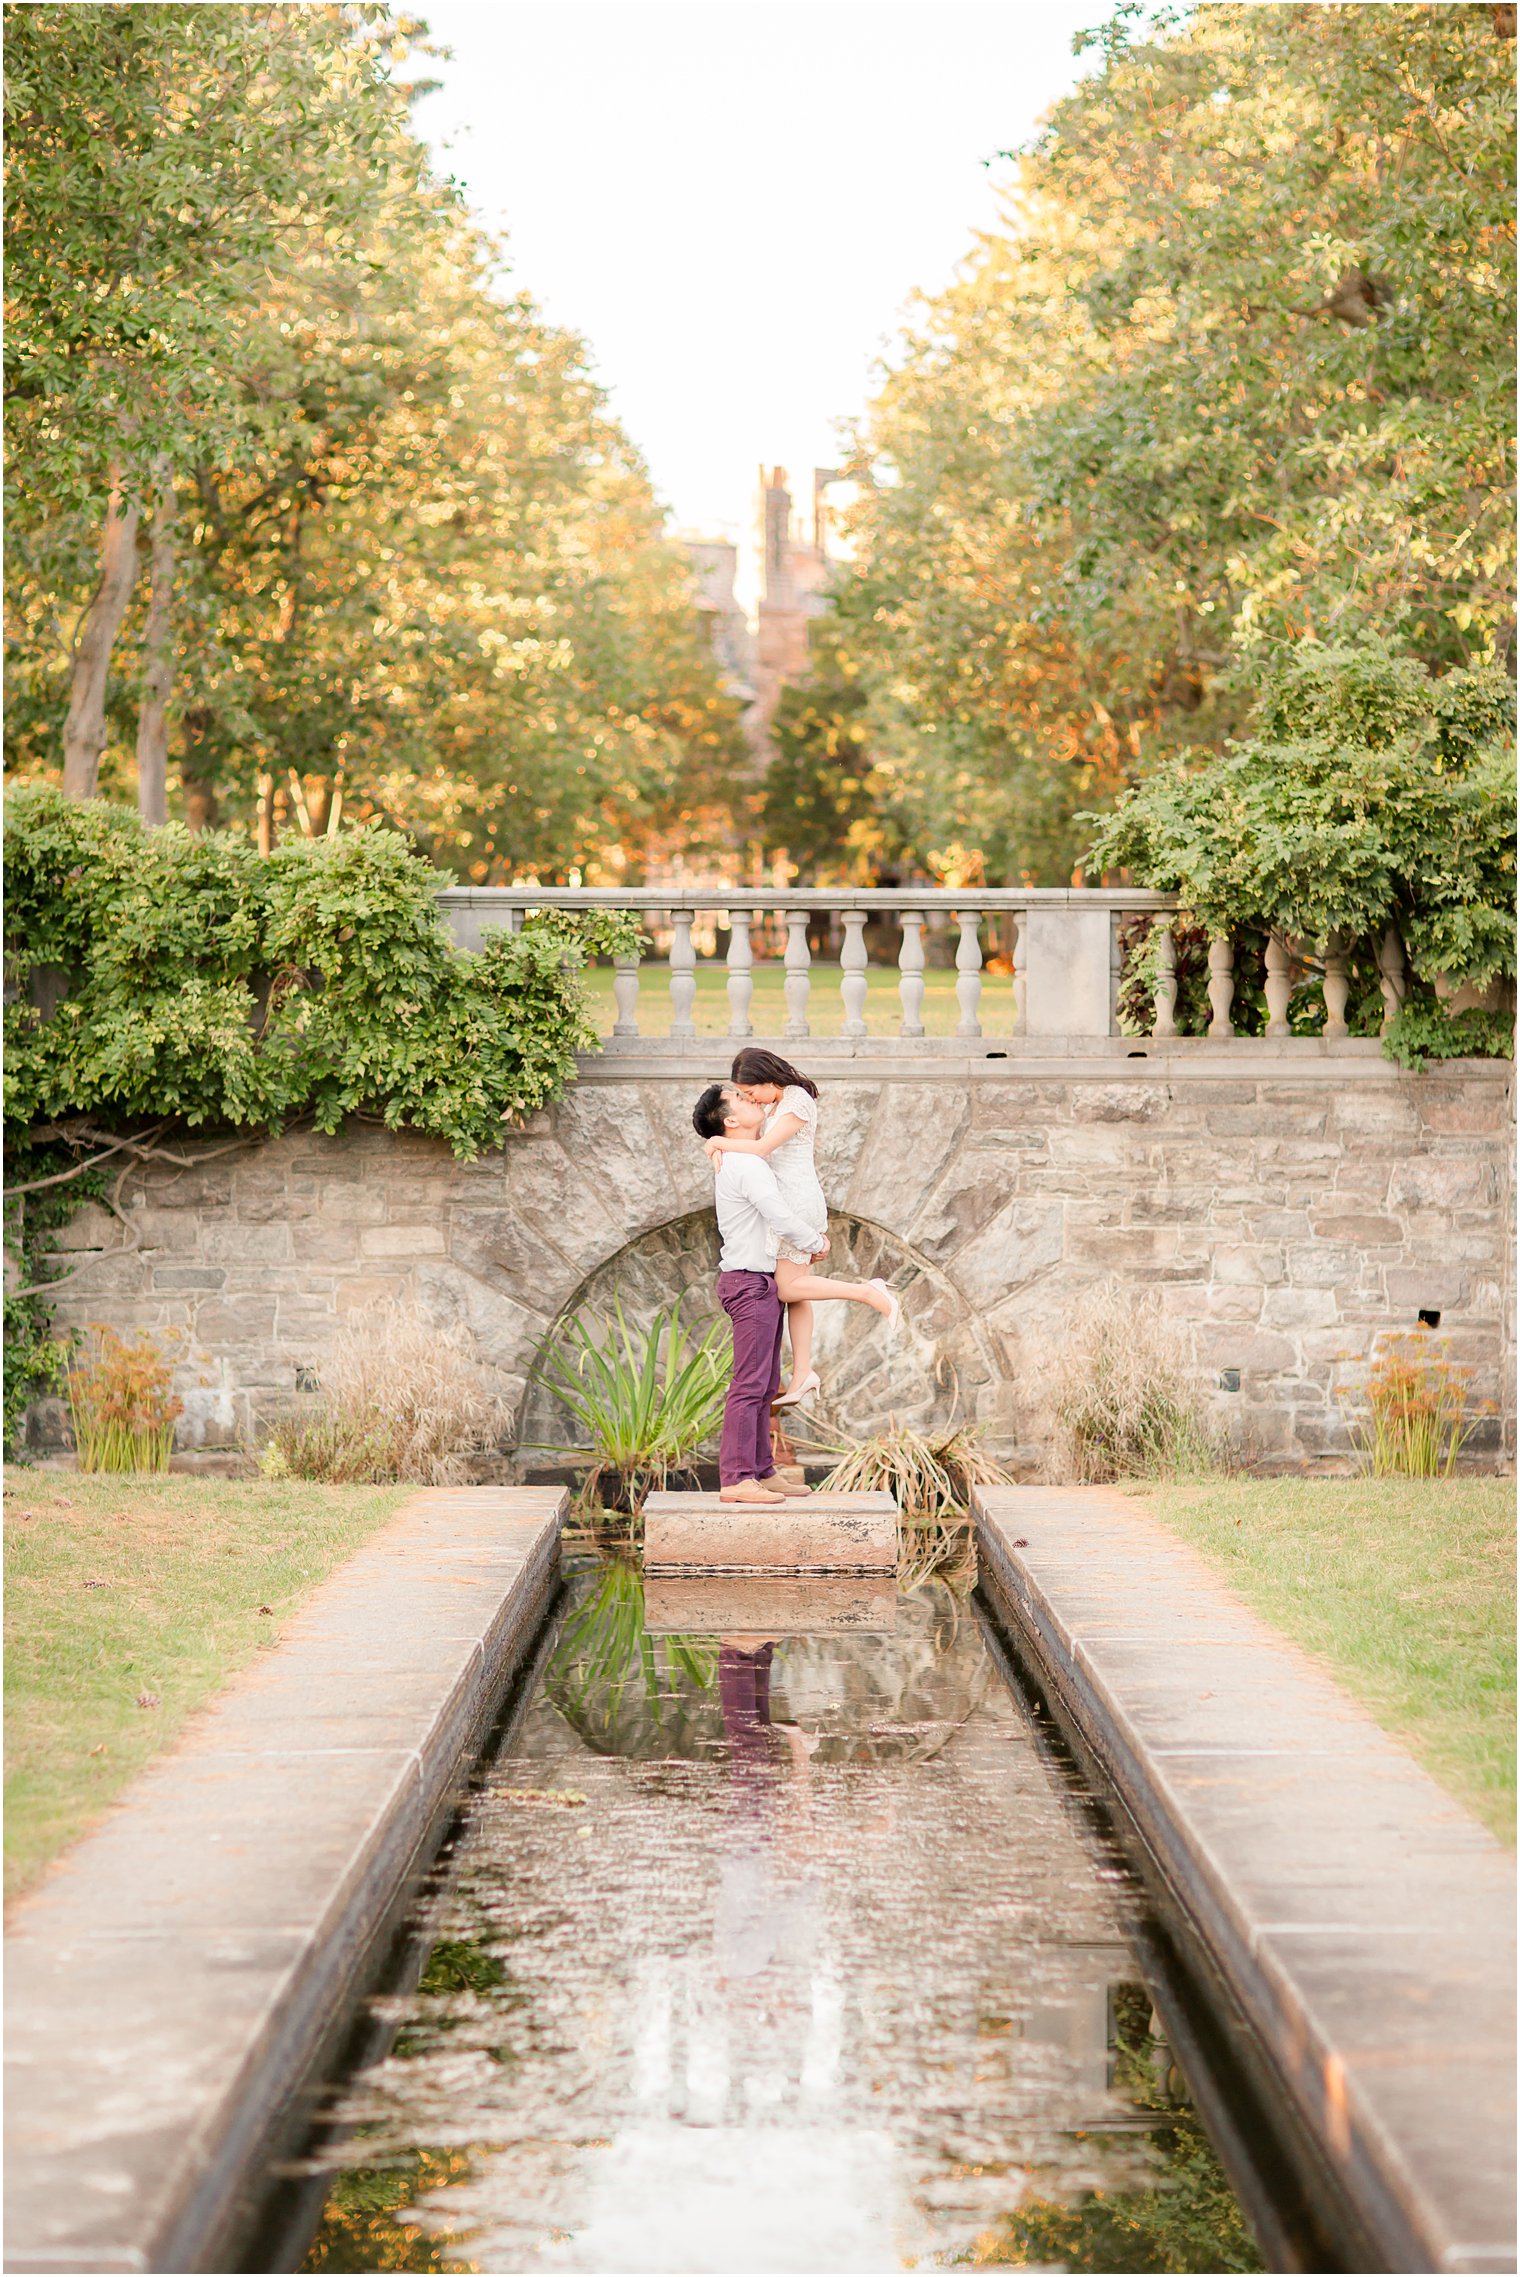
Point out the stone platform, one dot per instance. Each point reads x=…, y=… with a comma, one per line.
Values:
x=827, y=1533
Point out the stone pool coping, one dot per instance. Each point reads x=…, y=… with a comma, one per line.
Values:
x=170, y=1984
x=1361, y=1920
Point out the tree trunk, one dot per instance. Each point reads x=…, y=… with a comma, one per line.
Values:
x=153, y=720
x=84, y=733
x=195, y=772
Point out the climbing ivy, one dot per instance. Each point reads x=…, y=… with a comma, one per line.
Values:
x=163, y=983
x=1371, y=795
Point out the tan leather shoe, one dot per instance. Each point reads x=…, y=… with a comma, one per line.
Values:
x=791, y=1488
x=748, y=1490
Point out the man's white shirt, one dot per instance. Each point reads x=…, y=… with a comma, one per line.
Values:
x=752, y=1217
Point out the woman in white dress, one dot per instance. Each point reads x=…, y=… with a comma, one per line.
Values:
x=786, y=1142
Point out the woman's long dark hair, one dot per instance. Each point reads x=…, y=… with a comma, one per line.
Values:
x=752, y=1066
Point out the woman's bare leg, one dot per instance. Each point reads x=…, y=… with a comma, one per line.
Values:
x=799, y=1327
x=796, y=1285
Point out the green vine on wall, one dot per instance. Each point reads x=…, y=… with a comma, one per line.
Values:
x=163, y=986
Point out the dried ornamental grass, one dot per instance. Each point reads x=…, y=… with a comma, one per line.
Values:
x=1418, y=1421
x=930, y=1480
x=404, y=1400
x=1122, y=1397
x=122, y=1403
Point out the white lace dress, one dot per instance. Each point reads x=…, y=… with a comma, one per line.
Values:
x=795, y=1174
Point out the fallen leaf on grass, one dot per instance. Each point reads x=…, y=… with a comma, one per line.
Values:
x=147, y=1699
x=99, y=1750
x=562, y=1798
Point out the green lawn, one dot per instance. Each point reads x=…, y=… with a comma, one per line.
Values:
x=153, y=1590
x=825, y=1007
x=1405, y=1588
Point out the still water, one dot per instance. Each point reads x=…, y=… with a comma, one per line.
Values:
x=778, y=1938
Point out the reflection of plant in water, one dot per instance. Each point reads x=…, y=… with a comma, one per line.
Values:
x=1188, y=2219
x=360, y=2229
x=606, y=1673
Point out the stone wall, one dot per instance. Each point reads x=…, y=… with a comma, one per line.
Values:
x=1287, y=1216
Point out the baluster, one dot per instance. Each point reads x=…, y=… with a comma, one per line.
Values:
x=683, y=977
x=799, y=960
x=910, y=966
x=1221, y=985
x=741, y=976
x=1020, y=977
x=1337, y=987
x=1164, y=1023
x=1279, y=985
x=968, y=966
x=625, y=994
x=1393, y=979
x=852, y=972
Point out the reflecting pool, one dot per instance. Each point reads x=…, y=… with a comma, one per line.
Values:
x=777, y=1939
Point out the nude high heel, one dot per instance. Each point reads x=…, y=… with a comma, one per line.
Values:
x=795, y=1394
x=895, y=1314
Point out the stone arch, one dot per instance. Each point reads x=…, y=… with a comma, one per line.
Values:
x=941, y=1368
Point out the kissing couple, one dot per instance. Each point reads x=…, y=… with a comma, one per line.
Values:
x=758, y=1130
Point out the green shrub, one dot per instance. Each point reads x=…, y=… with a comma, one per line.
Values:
x=1371, y=795
x=223, y=990
x=194, y=983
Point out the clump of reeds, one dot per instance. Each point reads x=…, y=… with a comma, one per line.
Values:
x=122, y=1403
x=1418, y=1420
x=404, y=1399
x=930, y=1476
x=1122, y=1397
x=646, y=1398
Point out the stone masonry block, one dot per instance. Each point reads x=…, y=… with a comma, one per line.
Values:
x=1270, y=1121
x=1429, y=1181
x=248, y=1322
x=353, y=1293
x=179, y=1231
x=401, y=1241
x=1322, y=1265
x=1255, y=1264
x=1413, y=1287
x=1357, y=1232
x=233, y=1244
x=355, y=1205
x=1293, y=1308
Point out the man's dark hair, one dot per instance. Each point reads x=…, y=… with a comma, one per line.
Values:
x=710, y=1115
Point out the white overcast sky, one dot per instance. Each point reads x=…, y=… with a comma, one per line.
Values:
x=732, y=200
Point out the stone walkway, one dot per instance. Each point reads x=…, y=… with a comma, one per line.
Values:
x=1364, y=1922
x=169, y=1984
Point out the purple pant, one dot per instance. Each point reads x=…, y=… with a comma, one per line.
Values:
x=751, y=1302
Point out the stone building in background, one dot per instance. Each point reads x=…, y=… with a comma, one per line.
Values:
x=759, y=659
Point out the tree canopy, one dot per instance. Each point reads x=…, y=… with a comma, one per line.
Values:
x=404, y=563
x=1234, y=372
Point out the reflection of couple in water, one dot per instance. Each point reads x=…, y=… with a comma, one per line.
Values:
x=744, y=1692
x=758, y=1130
x=763, y=1917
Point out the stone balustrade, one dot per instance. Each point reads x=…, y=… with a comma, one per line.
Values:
x=1063, y=945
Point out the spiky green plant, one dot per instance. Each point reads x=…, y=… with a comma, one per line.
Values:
x=645, y=1398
